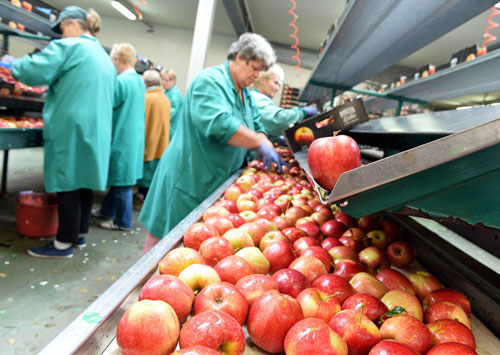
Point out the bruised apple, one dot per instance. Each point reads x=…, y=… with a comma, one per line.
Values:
x=329, y=157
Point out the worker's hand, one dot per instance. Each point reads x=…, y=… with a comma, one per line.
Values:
x=268, y=155
x=310, y=110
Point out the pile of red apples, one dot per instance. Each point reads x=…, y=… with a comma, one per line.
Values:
x=303, y=278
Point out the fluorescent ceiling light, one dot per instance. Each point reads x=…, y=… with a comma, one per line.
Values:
x=497, y=5
x=463, y=107
x=123, y=10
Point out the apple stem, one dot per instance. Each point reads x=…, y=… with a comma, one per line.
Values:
x=336, y=132
x=361, y=313
x=330, y=296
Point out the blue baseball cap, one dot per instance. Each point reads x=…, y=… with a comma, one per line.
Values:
x=74, y=12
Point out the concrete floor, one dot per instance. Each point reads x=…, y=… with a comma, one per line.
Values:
x=39, y=297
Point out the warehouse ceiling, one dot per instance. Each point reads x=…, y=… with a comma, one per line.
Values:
x=271, y=18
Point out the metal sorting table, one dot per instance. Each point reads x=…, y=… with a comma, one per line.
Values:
x=456, y=175
x=474, y=77
x=373, y=35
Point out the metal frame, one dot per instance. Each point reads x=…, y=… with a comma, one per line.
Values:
x=80, y=337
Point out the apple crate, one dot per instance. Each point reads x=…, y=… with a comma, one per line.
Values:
x=341, y=118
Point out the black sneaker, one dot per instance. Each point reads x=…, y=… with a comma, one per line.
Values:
x=50, y=251
x=80, y=243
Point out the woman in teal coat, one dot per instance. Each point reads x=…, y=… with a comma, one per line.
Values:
x=274, y=118
x=77, y=121
x=220, y=122
x=168, y=80
x=127, y=145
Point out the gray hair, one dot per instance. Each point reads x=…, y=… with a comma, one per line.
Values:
x=151, y=78
x=251, y=46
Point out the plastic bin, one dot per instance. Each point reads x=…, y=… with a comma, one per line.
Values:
x=36, y=214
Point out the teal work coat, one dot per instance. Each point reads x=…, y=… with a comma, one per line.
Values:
x=127, y=145
x=274, y=118
x=198, y=160
x=77, y=113
x=176, y=100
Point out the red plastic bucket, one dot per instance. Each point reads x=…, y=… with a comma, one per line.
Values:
x=36, y=214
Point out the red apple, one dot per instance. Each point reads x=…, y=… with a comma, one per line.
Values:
x=329, y=157
x=148, y=327
x=310, y=266
x=215, y=330
x=334, y=285
x=446, y=330
x=406, y=300
x=400, y=254
x=232, y=193
x=333, y=229
x=324, y=209
x=172, y=290
x=447, y=295
x=272, y=237
x=280, y=255
x=215, y=249
x=373, y=307
x=293, y=234
x=451, y=348
x=256, y=259
x=368, y=223
x=196, y=350
x=294, y=213
x=245, y=182
x=221, y=224
x=284, y=201
x=271, y=315
x=356, y=244
x=311, y=229
x=391, y=347
x=321, y=254
x=356, y=233
x=236, y=219
x=282, y=223
x=301, y=244
x=238, y=238
x=424, y=283
x=345, y=219
x=329, y=243
x=232, y=268
x=446, y=310
x=378, y=239
x=252, y=286
x=317, y=304
x=319, y=218
x=27, y=6
x=374, y=259
x=394, y=280
x=408, y=330
x=342, y=252
x=178, y=259
x=229, y=205
x=314, y=336
x=255, y=230
x=348, y=268
x=198, y=276
x=392, y=230
x=213, y=211
x=359, y=332
x=222, y=297
x=197, y=234
x=291, y=282
x=364, y=282
x=267, y=213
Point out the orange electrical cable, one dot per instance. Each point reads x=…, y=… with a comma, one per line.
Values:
x=139, y=3
x=296, y=44
x=493, y=24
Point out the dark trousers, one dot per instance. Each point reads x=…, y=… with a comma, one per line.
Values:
x=117, y=205
x=143, y=191
x=74, y=209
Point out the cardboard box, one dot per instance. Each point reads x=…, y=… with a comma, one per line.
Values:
x=339, y=118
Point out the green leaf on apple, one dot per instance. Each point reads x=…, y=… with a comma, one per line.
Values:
x=395, y=312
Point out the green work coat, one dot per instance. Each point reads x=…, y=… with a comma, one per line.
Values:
x=198, y=160
x=176, y=100
x=127, y=145
x=77, y=113
x=274, y=118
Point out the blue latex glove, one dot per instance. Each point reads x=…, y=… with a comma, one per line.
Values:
x=310, y=110
x=268, y=155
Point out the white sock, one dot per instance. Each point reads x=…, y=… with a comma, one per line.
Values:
x=61, y=246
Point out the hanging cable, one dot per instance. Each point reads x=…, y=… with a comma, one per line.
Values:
x=489, y=37
x=139, y=3
x=296, y=44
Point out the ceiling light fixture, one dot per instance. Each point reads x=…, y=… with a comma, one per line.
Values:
x=497, y=5
x=123, y=10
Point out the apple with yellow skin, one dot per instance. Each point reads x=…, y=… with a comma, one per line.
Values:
x=406, y=300
x=148, y=327
x=255, y=230
x=213, y=211
x=303, y=135
x=198, y=276
x=317, y=304
x=314, y=336
x=364, y=282
x=232, y=193
x=256, y=259
x=272, y=237
x=176, y=260
x=341, y=252
x=374, y=259
x=238, y=238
